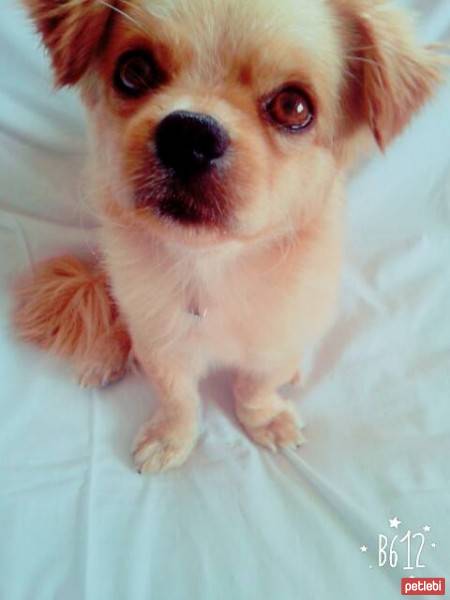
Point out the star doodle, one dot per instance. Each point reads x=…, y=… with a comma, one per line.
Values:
x=363, y=548
x=427, y=528
x=394, y=523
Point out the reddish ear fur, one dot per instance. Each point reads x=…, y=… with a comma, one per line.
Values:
x=394, y=74
x=73, y=31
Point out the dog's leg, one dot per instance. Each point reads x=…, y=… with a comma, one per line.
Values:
x=167, y=439
x=268, y=419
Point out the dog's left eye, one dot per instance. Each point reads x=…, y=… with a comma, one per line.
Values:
x=291, y=108
x=135, y=74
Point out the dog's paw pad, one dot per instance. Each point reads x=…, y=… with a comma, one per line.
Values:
x=157, y=449
x=283, y=431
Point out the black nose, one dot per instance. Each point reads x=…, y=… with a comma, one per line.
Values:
x=189, y=142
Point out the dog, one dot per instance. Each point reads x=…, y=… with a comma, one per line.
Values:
x=221, y=136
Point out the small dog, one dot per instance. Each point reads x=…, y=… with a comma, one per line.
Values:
x=221, y=135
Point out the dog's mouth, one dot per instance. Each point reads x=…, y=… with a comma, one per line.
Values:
x=189, y=211
x=187, y=203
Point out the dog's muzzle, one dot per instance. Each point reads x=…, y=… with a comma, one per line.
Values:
x=189, y=180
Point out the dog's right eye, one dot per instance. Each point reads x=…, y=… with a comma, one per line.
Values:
x=135, y=74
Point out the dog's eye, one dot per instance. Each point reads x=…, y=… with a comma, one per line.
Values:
x=135, y=74
x=291, y=108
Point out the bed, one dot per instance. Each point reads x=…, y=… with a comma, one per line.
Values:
x=325, y=522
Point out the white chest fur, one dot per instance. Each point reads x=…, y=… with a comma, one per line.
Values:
x=219, y=305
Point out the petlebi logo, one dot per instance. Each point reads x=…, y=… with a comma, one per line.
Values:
x=406, y=550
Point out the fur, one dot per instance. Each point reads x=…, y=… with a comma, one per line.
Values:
x=65, y=307
x=252, y=293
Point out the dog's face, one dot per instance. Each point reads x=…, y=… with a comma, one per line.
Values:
x=218, y=115
x=216, y=119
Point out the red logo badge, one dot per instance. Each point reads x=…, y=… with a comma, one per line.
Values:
x=424, y=586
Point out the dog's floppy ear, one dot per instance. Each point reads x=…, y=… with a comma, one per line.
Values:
x=72, y=31
x=394, y=74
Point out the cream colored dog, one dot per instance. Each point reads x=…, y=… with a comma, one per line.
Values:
x=221, y=133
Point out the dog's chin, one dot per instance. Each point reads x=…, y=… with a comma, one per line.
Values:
x=185, y=230
x=185, y=211
x=183, y=221
x=196, y=213
x=192, y=212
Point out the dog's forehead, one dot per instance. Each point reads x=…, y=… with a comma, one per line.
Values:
x=304, y=18
x=222, y=31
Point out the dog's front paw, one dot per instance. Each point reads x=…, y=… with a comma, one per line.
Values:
x=162, y=445
x=282, y=431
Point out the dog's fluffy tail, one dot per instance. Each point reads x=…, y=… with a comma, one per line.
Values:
x=66, y=307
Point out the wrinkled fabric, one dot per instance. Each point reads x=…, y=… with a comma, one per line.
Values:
x=236, y=522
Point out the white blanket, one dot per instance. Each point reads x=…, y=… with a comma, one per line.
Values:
x=236, y=523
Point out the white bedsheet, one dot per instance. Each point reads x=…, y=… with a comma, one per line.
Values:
x=77, y=522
